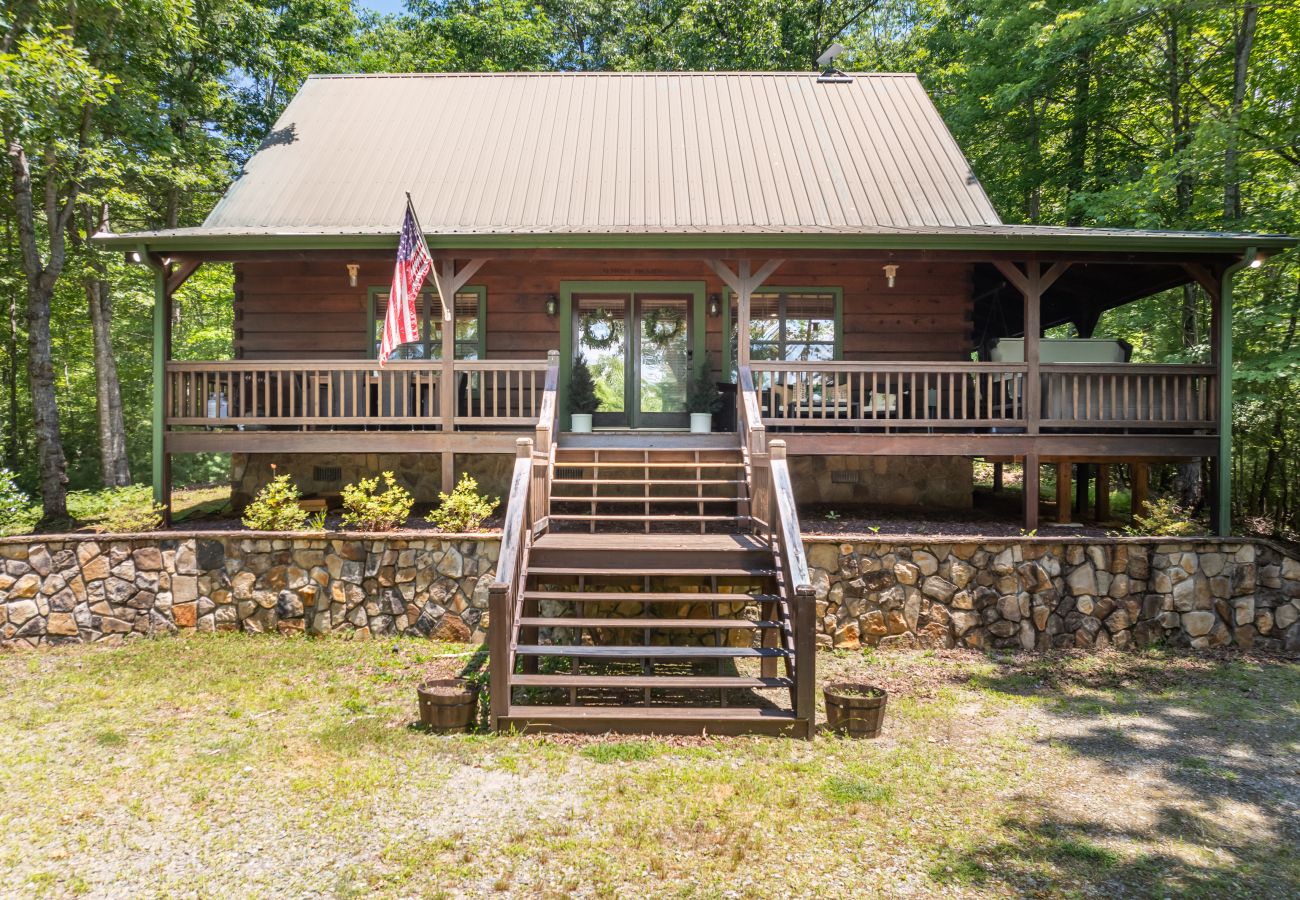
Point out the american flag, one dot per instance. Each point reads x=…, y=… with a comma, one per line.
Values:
x=402, y=321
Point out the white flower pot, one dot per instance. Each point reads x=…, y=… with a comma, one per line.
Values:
x=580, y=423
x=701, y=423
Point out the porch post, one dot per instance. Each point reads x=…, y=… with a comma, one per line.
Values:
x=1031, y=491
x=1222, y=328
x=1063, y=493
x=162, y=334
x=1033, y=331
x=447, y=396
x=742, y=315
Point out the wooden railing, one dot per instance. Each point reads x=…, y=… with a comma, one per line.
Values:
x=352, y=393
x=506, y=592
x=1120, y=396
x=526, y=509
x=854, y=395
x=979, y=395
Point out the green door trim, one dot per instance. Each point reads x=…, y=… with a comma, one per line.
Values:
x=569, y=288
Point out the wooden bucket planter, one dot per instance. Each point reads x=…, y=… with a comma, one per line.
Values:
x=448, y=704
x=855, y=709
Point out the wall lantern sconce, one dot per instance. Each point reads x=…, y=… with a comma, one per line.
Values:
x=891, y=271
x=353, y=269
x=715, y=307
x=552, y=306
x=1257, y=261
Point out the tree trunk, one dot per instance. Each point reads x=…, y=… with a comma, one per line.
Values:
x=1240, y=69
x=114, y=466
x=1078, y=142
x=41, y=278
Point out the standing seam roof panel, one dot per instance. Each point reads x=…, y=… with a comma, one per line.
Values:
x=753, y=152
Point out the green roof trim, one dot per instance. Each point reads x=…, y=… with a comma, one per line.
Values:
x=975, y=239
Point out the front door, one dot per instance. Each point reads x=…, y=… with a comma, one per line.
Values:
x=637, y=344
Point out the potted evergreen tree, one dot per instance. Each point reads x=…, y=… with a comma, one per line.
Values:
x=582, y=397
x=704, y=398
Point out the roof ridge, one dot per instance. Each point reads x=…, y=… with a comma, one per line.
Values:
x=593, y=74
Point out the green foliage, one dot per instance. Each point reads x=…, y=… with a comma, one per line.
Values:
x=370, y=509
x=124, y=510
x=17, y=515
x=275, y=508
x=582, y=391
x=463, y=511
x=1165, y=517
x=704, y=396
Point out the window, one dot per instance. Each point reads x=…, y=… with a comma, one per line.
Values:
x=470, y=314
x=791, y=325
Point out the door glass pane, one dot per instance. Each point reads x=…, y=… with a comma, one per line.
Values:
x=602, y=342
x=664, y=354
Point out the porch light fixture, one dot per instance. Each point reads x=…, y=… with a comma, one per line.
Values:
x=353, y=269
x=891, y=271
x=552, y=306
x=1257, y=261
x=715, y=308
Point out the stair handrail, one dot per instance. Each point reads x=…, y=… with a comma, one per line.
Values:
x=544, y=446
x=504, y=590
x=752, y=434
x=788, y=544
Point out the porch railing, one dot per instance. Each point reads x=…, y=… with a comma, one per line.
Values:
x=980, y=395
x=352, y=393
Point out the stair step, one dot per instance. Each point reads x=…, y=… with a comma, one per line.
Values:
x=558, y=499
x=642, y=481
x=607, y=517
x=587, y=651
x=658, y=572
x=714, y=720
x=640, y=597
x=649, y=681
x=642, y=622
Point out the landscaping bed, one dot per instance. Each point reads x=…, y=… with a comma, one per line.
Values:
x=243, y=765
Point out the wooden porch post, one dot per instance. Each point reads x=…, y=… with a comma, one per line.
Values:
x=1063, y=493
x=162, y=309
x=1140, y=479
x=1031, y=491
x=1103, y=493
x=743, y=284
x=447, y=281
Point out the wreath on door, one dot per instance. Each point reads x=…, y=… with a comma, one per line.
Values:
x=663, y=325
x=599, y=330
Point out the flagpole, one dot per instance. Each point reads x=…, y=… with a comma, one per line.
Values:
x=437, y=276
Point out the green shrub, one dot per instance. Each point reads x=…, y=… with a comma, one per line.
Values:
x=464, y=509
x=368, y=509
x=120, y=510
x=1165, y=518
x=582, y=389
x=275, y=508
x=704, y=396
x=17, y=514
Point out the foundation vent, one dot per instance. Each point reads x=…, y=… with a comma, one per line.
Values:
x=326, y=473
x=846, y=476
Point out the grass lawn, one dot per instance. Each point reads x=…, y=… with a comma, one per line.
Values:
x=255, y=766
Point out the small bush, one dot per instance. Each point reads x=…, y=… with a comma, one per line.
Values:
x=17, y=514
x=704, y=396
x=1165, y=518
x=368, y=509
x=464, y=509
x=121, y=510
x=582, y=389
x=275, y=508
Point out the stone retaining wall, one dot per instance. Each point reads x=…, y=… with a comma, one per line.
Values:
x=1038, y=594
x=1027, y=593
x=71, y=589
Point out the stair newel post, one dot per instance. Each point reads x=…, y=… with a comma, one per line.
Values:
x=544, y=449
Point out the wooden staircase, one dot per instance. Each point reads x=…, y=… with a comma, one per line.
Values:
x=643, y=590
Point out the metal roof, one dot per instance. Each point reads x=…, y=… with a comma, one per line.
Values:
x=566, y=152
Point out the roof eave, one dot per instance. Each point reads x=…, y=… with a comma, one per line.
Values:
x=162, y=242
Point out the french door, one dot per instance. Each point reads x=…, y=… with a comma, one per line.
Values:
x=637, y=345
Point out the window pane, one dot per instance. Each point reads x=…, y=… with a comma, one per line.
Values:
x=792, y=325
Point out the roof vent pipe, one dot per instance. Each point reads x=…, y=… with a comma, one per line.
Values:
x=830, y=74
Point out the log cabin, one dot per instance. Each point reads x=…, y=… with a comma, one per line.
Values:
x=817, y=241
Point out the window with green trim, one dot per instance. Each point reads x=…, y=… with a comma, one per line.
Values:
x=471, y=315
x=789, y=325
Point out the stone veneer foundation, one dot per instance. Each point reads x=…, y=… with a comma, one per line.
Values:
x=1031, y=593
